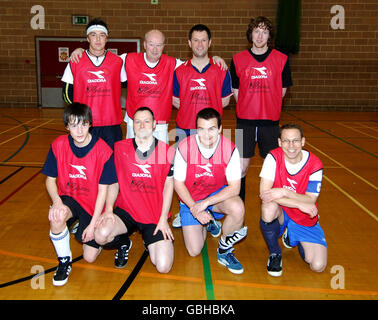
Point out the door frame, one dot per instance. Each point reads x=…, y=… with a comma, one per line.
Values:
x=38, y=61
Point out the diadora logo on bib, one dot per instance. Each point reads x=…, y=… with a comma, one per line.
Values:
x=151, y=77
x=99, y=76
x=200, y=84
x=207, y=172
x=143, y=167
x=261, y=73
x=80, y=175
x=292, y=185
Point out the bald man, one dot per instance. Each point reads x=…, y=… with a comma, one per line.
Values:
x=149, y=83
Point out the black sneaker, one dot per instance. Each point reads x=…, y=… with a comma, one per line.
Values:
x=122, y=256
x=62, y=272
x=285, y=240
x=274, y=266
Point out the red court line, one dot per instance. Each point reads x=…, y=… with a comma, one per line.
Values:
x=20, y=187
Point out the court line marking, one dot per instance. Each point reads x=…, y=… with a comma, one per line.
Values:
x=22, y=164
x=44, y=272
x=200, y=280
x=332, y=135
x=296, y=289
x=121, y=292
x=342, y=166
x=11, y=175
x=207, y=273
x=354, y=200
x=20, y=125
x=359, y=131
x=28, y=131
x=23, y=144
x=366, y=126
x=20, y=187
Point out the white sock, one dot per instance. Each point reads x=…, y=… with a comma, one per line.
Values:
x=61, y=243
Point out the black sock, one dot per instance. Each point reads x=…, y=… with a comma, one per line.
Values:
x=301, y=251
x=118, y=241
x=271, y=231
x=242, y=189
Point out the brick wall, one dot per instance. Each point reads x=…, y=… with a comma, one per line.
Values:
x=335, y=69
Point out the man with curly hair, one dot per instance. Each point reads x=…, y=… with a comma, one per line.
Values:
x=260, y=77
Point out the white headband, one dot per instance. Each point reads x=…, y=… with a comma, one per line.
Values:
x=97, y=27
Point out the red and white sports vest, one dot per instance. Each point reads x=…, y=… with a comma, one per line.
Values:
x=198, y=91
x=205, y=176
x=260, y=86
x=297, y=183
x=99, y=88
x=141, y=182
x=79, y=177
x=150, y=87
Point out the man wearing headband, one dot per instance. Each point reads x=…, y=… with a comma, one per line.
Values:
x=95, y=81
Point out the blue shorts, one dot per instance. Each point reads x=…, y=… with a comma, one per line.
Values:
x=187, y=218
x=298, y=233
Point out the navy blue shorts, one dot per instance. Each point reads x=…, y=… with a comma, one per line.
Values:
x=247, y=136
x=146, y=230
x=84, y=219
x=110, y=134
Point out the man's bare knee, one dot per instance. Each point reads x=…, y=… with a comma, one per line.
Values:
x=269, y=211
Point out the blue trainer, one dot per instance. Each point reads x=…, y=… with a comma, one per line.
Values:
x=228, y=259
x=214, y=227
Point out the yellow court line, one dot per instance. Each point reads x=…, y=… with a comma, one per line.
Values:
x=366, y=126
x=17, y=126
x=295, y=289
x=344, y=167
x=359, y=131
x=352, y=198
x=199, y=280
x=30, y=130
x=23, y=163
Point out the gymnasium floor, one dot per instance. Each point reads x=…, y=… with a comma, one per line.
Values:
x=345, y=142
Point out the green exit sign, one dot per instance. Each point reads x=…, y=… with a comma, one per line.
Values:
x=80, y=20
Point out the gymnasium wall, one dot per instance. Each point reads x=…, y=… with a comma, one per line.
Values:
x=334, y=69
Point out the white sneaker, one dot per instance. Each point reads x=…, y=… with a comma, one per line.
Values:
x=176, y=223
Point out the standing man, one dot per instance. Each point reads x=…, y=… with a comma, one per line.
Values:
x=289, y=188
x=207, y=181
x=142, y=196
x=79, y=168
x=199, y=83
x=260, y=77
x=149, y=77
x=96, y=82
x=149, y=83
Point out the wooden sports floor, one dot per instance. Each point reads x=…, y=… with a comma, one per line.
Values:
x=345, y=142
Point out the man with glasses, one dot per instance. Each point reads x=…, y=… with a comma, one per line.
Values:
x=289, y=188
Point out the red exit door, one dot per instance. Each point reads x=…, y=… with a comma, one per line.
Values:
x=52, y=56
